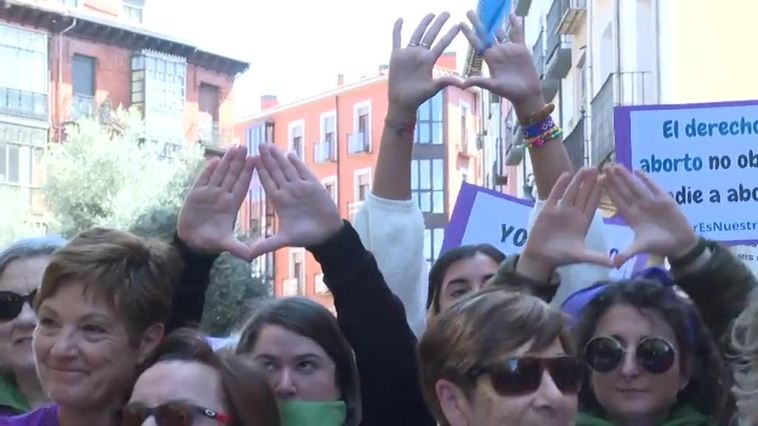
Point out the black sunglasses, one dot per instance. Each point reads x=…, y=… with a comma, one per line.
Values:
x=605, y=354
x=11, y=304
x=170, y=414
x=523, y=375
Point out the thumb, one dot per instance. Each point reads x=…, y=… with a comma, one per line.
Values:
x=447, y=80
x=237, y=249
x=595, y=258
x=479, y=81
x=266, y=245
x=631, y=251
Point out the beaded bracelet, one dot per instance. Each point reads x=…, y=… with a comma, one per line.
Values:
x=554, y=133
x=537, y=134
x=400, y=129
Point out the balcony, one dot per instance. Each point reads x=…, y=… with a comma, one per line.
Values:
x=325, y=151
x=82, y=106
x=574, y=144
x=358, y=143
x=558, y=46
x=521, y=7
x=214, y=135
x=291, y=287
x=23, y=104
x=549, y=85
x=626, y=88
x=352, y=209
x=573, y=14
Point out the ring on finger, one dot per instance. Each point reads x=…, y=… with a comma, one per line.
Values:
x=413, y=43
x=426, y=45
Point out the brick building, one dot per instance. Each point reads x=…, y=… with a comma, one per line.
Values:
x=71, y=58
x=338, y=135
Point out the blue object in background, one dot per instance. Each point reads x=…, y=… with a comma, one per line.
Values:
x=491, y=14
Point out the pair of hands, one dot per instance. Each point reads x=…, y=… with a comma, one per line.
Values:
x=558, y=235
x=306, y=213
x=411, y=77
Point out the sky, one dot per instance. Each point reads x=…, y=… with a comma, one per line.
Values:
x=297, y=48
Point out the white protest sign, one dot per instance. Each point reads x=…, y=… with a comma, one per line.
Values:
x=704, y=155
x=483, y=216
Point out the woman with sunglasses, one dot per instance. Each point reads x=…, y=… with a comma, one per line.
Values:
x=21, y=267
x=651, y=358
x=187, y=384
x=499, y=358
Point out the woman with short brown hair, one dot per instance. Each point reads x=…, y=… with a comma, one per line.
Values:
x=499, y=357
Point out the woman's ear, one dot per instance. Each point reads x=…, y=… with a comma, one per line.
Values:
x=453, y=402
x=150, y=340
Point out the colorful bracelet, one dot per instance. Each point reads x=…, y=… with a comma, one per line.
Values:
x=539, y=128
x=554, y=133
x=538, y=116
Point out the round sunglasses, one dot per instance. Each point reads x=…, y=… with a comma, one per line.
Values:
x=12, y=303
x=523, y=375
x=170, y=414
x=605, y=354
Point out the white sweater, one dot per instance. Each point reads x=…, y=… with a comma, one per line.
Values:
x=394, y=232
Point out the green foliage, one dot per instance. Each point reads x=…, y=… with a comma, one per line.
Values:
x=14, y=216
x=108, y=175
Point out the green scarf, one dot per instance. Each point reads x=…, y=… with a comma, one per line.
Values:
x=11, y=397
x=684, y=415
x=308, y=413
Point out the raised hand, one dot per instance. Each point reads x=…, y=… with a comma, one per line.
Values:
x=307, y=215
x=557, y=237
x=659, y=226
x=512, y=72
x=411, y=74
x=206, y=221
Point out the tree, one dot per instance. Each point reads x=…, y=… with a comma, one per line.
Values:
x=108, y=175
x=14, y=217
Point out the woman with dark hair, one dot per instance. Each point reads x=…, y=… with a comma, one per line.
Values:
x=309, y=363
x=187, y=384
x=21, y=268
x=651, y=358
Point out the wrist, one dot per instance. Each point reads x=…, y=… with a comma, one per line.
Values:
x=400, y=114
x=533, y=266
x=528, y=106
x=684, y=247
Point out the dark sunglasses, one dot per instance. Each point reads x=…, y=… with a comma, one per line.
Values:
x=523, y=375
x=605, y=354
x=170, y=414
x=11, y=304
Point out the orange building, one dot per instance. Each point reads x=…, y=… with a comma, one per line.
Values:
x=338, y=135
x=66, y=59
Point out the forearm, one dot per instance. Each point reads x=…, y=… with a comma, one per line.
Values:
x=392, y=174
x=550, y=160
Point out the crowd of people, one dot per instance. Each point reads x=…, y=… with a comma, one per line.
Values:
x=102, y=329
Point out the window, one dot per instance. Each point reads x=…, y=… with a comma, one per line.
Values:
x=20, y=151
x=257, y=135
x=209, y=100
x=133, y=10
x=27, y=51
x=330, y=184
x=464, y=127
x=433, y=239
x=429, y=121
x=159, y=85
x=360, y=140
x=297, y=270
x=297, y=135
x=428, y=184
x=326, y=147
x=328, y=128
x=70, y=3
x=84, y=75
x=362, y=184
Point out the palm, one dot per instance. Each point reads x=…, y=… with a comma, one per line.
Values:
x=307, y=215
x=206, y=221
x=411, y=77
x=512, y=71
x=558, y=235
x=659, y=226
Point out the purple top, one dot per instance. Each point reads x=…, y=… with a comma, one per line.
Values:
x=47, y=416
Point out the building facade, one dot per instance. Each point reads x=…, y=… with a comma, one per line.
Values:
x=594, y=55
x=67, y=59
x=338, y=135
